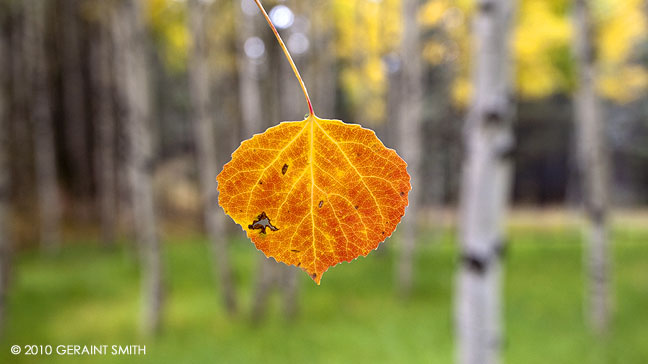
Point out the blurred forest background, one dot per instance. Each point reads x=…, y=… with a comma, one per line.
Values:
x=116, y=116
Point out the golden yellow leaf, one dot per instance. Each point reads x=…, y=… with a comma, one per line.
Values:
x=315, y=193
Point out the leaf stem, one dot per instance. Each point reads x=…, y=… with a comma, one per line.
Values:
x=290, y=60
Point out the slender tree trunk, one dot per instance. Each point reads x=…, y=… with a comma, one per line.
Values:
x=252, y=123
x=206, y=150
x=76, y=127
x=288, y=91
x=284, y=89
x=101, y=59
x=41, y=116
x=485, y=187
x=5, y=242
x=593, y=166
x=266, y=279
x=248, y=72
x=410, y=115
x=21, y=135
x=130, y=49
x=289, y=286
x=323, y=60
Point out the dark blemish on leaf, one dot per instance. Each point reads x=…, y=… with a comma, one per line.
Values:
x=383, y=233
x=260, y=182
x=262, y=222
x=314, y=275
x=402, y=193
x=356, y=207
x=284, y=169
x=295, y=250
x=299, y=264
x=320, y=204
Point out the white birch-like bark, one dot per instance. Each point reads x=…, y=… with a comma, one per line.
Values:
x=206, y=150
x=248, y=72
x=593, y=165
x=322, y=61
x=410, y=115
x=41, y=116
x=132, y=74
x=485, y=187
x=105, y=169
x=5, y=242
x=271, y=275
x=252, y=123
x=288, y=91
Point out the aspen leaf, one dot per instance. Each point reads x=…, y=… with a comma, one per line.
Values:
x=316, y=192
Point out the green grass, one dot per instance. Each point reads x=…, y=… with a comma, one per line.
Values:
x=89, y=296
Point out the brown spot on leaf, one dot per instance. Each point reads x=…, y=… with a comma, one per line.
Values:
x=314, y=275
x=295, y=250
x=402, y=193
x=383, y=233
x=356, y=207
x=298, y=264
x=260, y=182
x=262, y=222
x=284, y=169
x=320, y=204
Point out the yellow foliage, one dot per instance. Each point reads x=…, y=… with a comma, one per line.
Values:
x=624, y=86
x=432, y=12
x=169, y=25
x=543, y=30
x=622, y=25
x=434, y=52
x=366, y=31
x=462, y=91
x=540, y=31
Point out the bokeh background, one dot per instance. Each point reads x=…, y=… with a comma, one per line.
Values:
x=102, y=102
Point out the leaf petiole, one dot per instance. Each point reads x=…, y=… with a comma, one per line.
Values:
x=290, y=60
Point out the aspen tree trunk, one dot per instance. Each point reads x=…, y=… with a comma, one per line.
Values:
x=272, y=275
x=101, y=59
x=20, y=138
x=593, y=167
x=252, y=123
x=323, y=60
x=288, y=91
x=132, y=74
x=410, y=113
x=248, y=73
x=485, y=187
x=76, y=129
x=5, y=242
x=41, y=116
x=205, y=149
